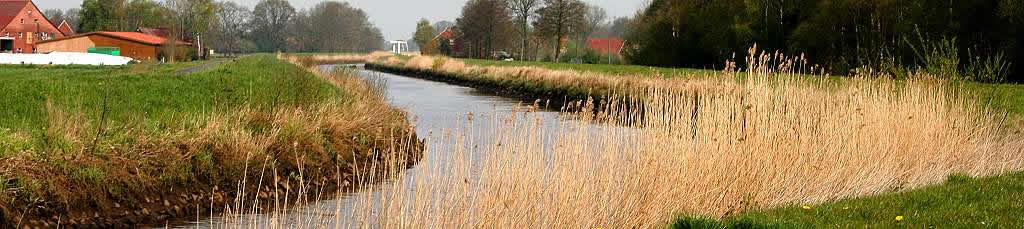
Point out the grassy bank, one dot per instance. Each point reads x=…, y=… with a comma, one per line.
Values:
x=960, y=202
x=1008, y=97
x=145, y=145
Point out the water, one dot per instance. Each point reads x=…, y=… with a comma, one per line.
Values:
x=438, y=111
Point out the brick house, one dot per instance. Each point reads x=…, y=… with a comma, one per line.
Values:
x=22, y=25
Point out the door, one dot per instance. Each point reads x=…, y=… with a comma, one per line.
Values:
x=6, y=45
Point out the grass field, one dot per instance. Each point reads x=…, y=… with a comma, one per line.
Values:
x=78, y=140
x=992, y=202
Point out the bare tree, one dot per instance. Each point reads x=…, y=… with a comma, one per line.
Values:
x=232, y=21
x=482, y=26
x=559, y=18
x=269, y=18
x=522, y=10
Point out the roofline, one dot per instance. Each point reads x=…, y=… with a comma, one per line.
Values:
x=65, y=22
x=102, y=33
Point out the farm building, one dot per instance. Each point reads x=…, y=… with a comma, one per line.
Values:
x=22, y=26
x=607, y=46
x=136, y=45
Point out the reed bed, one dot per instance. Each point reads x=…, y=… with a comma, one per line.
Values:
x=713, y=148
x=701, y=146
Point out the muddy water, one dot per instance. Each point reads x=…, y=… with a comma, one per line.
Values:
x=440, y=113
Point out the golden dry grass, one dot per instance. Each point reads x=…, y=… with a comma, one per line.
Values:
x=708, y=146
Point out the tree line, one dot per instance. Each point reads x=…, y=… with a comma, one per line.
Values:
x=527, y=29
x=225, y=26
x=980, y=40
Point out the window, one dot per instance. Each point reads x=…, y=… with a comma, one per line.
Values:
x=19, y=50
x=22, y=21
x=36, y=20
x=21, y=35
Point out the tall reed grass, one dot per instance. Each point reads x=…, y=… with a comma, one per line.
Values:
x=707, y=146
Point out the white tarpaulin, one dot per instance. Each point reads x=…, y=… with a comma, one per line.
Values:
x=64, y=58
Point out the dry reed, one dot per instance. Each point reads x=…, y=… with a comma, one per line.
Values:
x=709, y=146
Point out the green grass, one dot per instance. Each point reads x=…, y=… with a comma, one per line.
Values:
x=154, y=95
x=85, y=137
x=962, y=202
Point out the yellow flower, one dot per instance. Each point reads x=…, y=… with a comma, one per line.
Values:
x=808, y=207
x=899, y=218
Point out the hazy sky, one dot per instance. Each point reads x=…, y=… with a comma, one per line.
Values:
x=397, y=18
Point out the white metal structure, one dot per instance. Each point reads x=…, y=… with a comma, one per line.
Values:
x=63, y=58
x=398, y=46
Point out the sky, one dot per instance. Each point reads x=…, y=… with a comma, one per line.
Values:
x=397, y=18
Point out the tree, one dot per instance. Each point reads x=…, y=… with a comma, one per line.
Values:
x=101, y=15
x=269, y=18
x=338, y=26
x=619, y=27
x=57, y=16
x=232, y=24
x=423, y=35
x=191, y=20
x=482, y=26
x=521, y=11
x=558, y=19
x=144, y=13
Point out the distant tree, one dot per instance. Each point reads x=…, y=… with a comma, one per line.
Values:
x=482, y=27
x=54, y=15
x=231, y=26
x=687, y=33
x=303, y=34
x=101, y=15
x=521, y=11
x=338, y=26
x=192, y=20
x=594, y=18
x=559, y=19
x=269, y=18
x=619, y=27
x=145, y=13
x=423, y=35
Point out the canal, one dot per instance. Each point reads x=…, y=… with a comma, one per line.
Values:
x=450, y=118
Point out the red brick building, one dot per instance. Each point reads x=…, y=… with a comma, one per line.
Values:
x=607, y=46
x=22, y=25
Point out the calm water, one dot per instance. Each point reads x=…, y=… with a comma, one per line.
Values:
x=438, y=111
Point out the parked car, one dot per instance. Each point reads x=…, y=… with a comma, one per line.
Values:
x=502, y=55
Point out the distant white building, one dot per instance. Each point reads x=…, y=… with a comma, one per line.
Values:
x=398, y=46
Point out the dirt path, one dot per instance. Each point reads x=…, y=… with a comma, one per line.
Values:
x=205, y=66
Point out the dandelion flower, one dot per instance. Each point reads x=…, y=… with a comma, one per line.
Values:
x=899, y=218
x=808, y=207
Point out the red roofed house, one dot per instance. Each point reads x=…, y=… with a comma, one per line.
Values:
x=22, y=25
x=136, y=45
x=160, y=32
x=606, y=46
